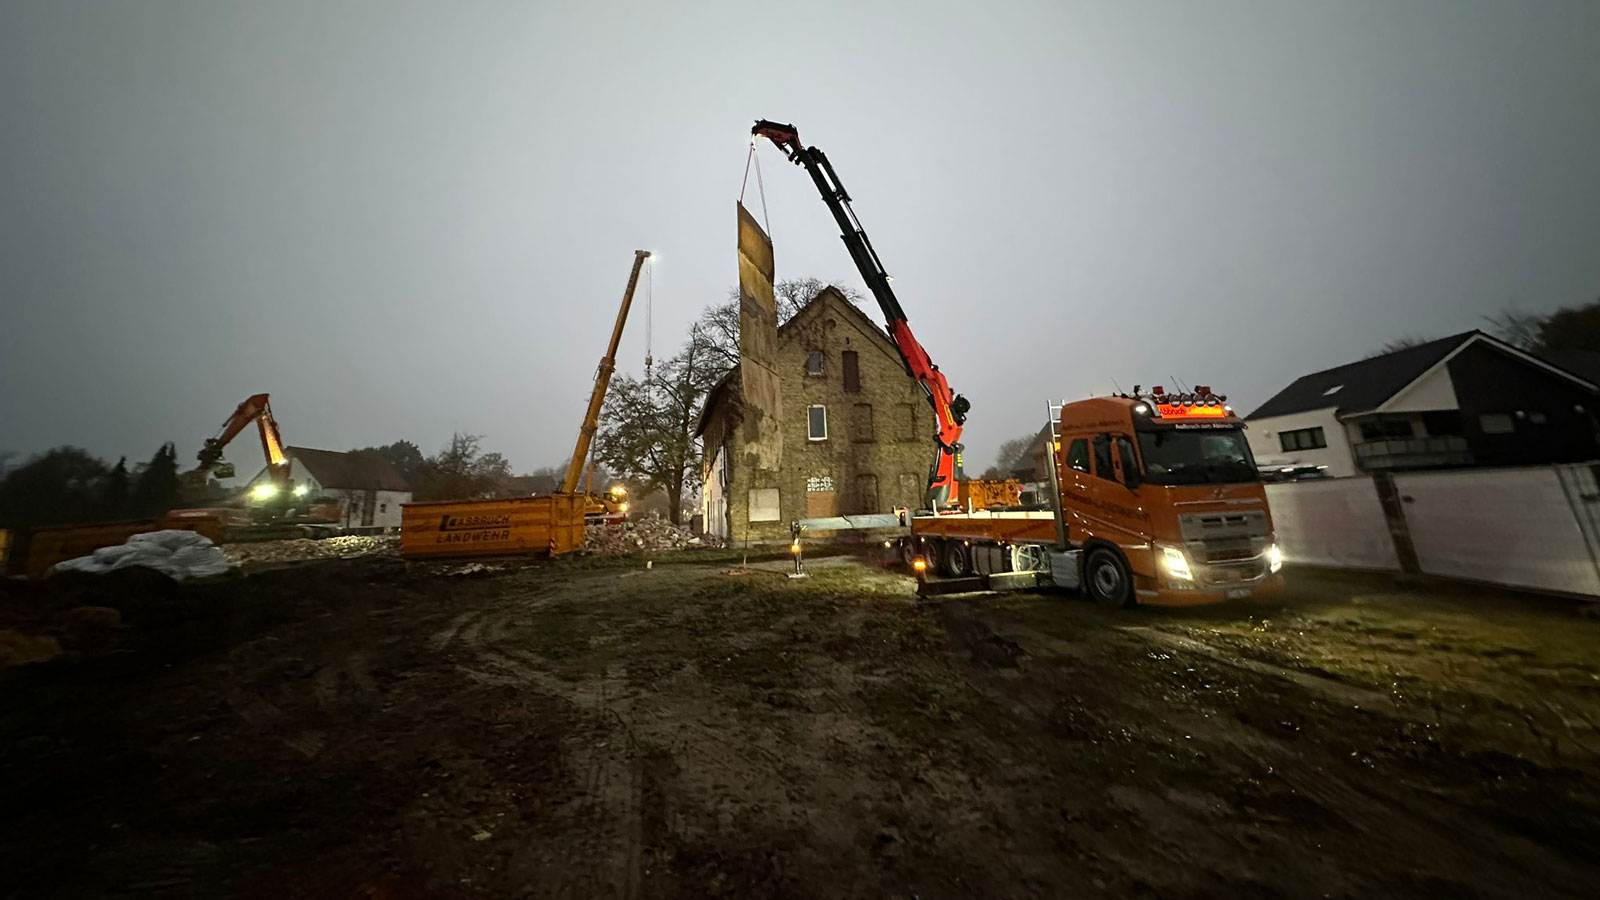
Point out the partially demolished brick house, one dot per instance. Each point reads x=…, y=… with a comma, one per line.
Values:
x=848, y=432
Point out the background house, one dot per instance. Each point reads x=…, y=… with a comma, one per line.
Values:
x=1464, y=400
x=1032, y=467
x=369, y=488
x=856, y=430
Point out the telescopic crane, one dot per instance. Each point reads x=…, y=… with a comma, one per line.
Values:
x=602, y=380
x=950, y=410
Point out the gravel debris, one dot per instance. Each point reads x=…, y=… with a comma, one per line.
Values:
x=347, y=547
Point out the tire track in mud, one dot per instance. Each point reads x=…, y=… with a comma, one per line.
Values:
x=603, y=843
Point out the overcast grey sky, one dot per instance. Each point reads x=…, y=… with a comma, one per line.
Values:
x=403, y=219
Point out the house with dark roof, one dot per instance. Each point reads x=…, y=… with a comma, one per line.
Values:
x=369, y=488
x=1464, y=400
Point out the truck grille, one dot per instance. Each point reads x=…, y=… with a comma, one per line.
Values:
x=1209, y=528
x=1230, y=547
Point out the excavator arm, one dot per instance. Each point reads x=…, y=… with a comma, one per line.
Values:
x=949, y=409
x=255, y=409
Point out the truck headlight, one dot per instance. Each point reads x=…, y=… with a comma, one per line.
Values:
x=1274, y=558
x=1176, y=563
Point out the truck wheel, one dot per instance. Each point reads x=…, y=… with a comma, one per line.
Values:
x=957, y=559
x=1106, y=578
x=908, y=552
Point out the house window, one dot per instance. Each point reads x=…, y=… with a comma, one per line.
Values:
x=861, y=422
x=1386, y=427
x=383, y=507
x=1078, y=455
x=908, y=417
x=817, y=423
x=819, y=484
x=814, y=363
x=1497, y=423
x=852, y=371
x=1102, y=457
x=1442, y=422
x=1302, y=439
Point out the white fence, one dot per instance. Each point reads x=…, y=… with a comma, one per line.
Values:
x=1534, y=528
x=1332, y=522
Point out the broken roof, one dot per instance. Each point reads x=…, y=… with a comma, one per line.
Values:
x=349, y=471
x=728, y=385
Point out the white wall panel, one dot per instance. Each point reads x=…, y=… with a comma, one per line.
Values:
x=1332, y=522
x=1508, y=526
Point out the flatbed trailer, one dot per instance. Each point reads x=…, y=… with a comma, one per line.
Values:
x=1152, y=499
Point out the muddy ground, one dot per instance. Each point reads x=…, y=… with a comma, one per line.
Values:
x=594, y=728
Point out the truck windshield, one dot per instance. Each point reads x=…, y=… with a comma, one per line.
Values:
x=1196, y=457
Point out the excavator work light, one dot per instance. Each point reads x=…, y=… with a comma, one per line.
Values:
x=264, y=491
x=301, y=490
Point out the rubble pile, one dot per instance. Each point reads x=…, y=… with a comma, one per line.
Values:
x=328, y=548
x=649, y=532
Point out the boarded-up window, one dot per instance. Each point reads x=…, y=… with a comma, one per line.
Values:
x=820, y=497
x=866, y=493
x=907, y=414
x=817, y=423
x=764, y=505
x=814, y=362
x=852, y=371
x=861, y=422
x=910, y=490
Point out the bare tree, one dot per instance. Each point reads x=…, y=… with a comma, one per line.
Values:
x=647, y=425
x=1519, y=329
x=1010, y=456
x=1404, y=342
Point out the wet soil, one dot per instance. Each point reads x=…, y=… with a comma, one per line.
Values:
x=594, y=728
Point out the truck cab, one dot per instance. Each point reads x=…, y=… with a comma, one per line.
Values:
x=1161, y=497
x=1155, y=499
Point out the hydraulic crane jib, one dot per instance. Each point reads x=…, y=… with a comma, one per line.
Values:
x=949, y=409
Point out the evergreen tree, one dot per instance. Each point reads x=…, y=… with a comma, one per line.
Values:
x=115, y=493
x=156, y=490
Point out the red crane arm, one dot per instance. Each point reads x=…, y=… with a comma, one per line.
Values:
x=949, y=409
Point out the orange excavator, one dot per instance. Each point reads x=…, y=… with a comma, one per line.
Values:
x=255, y=409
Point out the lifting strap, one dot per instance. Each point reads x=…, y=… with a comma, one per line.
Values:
x=760, y=186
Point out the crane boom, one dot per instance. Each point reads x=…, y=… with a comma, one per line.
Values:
x=949, y=410
x=254, y=409
x=602, y=380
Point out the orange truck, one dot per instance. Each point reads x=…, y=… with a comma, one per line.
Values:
x=1154, y=498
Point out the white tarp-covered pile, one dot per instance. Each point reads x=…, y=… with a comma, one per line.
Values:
x=179, y=554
